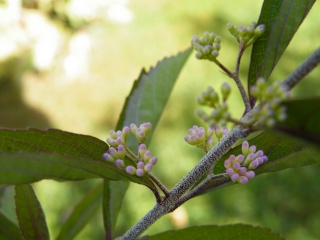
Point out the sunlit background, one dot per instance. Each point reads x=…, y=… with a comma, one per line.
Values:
x=70, y=65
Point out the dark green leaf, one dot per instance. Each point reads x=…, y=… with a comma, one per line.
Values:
x=31, y=218
x=213, y=232
x=282, y=19
x=81, y=214
x=31, y=155
x=303, y=120
x=145, y=103
x=8, y=230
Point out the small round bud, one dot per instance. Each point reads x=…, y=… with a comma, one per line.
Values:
x=148, y=167
x=243, y=180
x=250, y=174
x=235, y=177
x=108, y=157
x=225, y=90
x=140, y=164
x=230, y=171
x=227, y=163
x=245, y=148
x=131, y=170
x=140, y=172
x=153, y=160
x=120, y=164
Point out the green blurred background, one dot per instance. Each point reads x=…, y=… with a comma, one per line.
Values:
x=70, y=65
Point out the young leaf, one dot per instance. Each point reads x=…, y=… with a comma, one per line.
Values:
x=81, y=214
x=30, y=155
x=8, y=230
x=236, y=231
x=145, y=103
x=282, y=19
x=31, y=218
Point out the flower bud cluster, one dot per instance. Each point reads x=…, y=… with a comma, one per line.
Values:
x=220, y=113
x=118, y=137
x=145, y=163
x=239, y=168
x=202, y=138
x=141, y=132
x=118, y=151
x=206, y=47
x=246, y=36
x=270, y=99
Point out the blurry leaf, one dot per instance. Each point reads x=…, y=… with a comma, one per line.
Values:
x=25, y=167
x=282, y=19
x=236, y=231
x=303, y=120
x=8, y=230
x=31, y=155
x=145, y=103
x=31, y=218
x=81, y=214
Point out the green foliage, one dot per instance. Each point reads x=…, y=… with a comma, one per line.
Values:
x=145, y=103
x=81, y=214
x=282, y=19
x=30, y=155
x=30, y=215
x=8, y=230
x=236, y=231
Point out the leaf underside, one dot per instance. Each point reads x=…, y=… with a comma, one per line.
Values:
x=236, y=231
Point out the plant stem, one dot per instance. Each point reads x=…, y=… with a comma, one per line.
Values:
x=306, y=67
x=169, y=204
x=175, y=195
x=159, y=184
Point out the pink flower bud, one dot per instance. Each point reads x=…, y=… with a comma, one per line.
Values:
x=250, y=174
x=108, y=157
x=235, y=177
x=245, y=148
x=148, y=167
x=153, y=160
x=140, y=164
x=120, y=164
x=243, y=180
x=227, y=163
x=230, y=171
x=140, y=172
x=242, y=170
x=131, y=170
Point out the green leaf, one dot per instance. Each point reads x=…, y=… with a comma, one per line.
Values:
x=212, y=232
x=81, y=214
x=31, y=155
x=31, y=218
x=303, y=120
x=145, y=103
x=282, y=19
x=8, y=230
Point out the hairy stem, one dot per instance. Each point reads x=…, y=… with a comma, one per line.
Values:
x=175, y=195
x=159, y=184
x=306, y=67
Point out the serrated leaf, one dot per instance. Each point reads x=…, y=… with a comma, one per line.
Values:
x=81, y=214
x=30, y=215
x=145, y=103
x=8, y=230
x=212, y=232
x=282, y=19
x=29, y=155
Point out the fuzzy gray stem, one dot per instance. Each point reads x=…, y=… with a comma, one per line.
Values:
x=189, y=180
x=306, y=67
x=211, y=157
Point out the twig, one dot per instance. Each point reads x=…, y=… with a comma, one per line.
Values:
x=159, y=184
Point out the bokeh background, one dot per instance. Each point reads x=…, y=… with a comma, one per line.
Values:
x=69, y=64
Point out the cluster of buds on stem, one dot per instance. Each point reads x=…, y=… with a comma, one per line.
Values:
x=270, y=99
x=246, y=35
x=206, y=47
x=203, y=138
x=118, y=151
x=239, y=168
x=210, y=98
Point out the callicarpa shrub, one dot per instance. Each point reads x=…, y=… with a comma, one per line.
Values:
x=270, y=136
